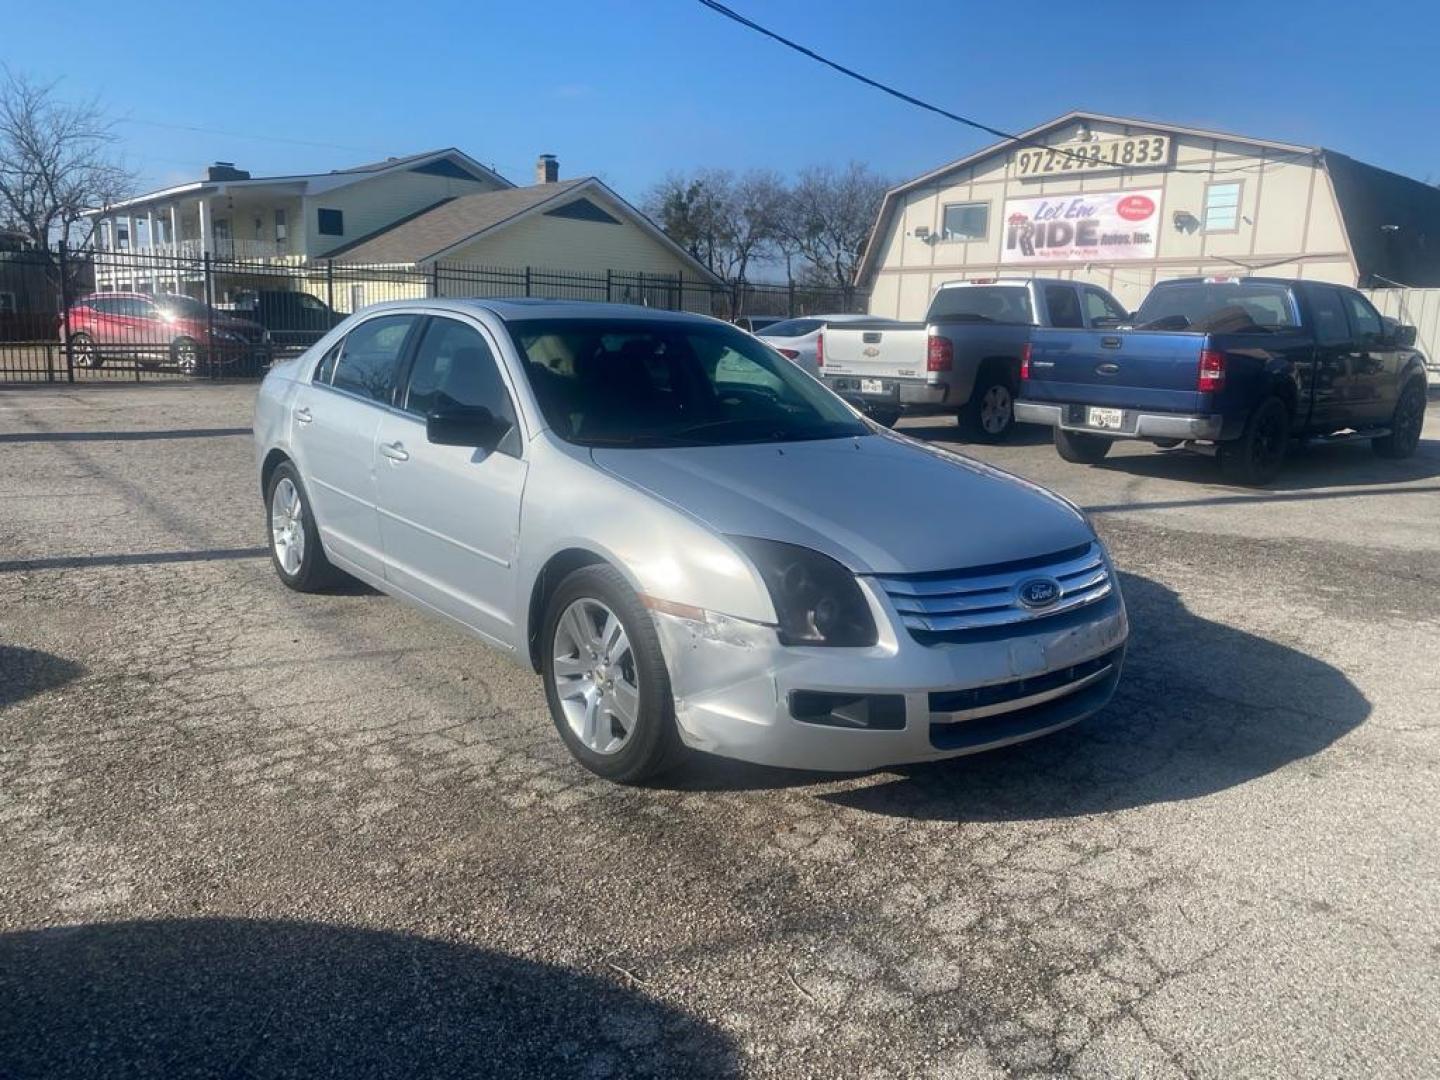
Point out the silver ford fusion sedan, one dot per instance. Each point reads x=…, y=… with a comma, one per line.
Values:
x=694, y=543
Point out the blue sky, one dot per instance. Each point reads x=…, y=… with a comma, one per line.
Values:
x=629, y=91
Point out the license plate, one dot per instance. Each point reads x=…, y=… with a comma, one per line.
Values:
x=872, y=386
x=1105, y=418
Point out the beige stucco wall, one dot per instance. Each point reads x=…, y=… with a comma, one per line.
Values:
x=380, y=200
x=1294, y=227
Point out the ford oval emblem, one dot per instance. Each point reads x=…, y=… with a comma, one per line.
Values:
x=1038, y=592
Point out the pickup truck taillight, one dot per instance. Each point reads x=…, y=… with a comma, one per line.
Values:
x=939, y=354
x=789, y=354
x=1025, y=361
x=819, y=350
x=1211, y=376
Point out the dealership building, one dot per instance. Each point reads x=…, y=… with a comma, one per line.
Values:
x=1124, y=203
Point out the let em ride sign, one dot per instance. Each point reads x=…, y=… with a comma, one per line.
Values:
x=1082, y=228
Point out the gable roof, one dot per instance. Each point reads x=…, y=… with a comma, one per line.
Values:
x=433, y=232
x=461, y=164
x=1392, y=222
x=887, y=206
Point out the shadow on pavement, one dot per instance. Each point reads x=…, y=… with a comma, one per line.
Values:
x=234, y=997
x=1201, y=708
x=26, y=672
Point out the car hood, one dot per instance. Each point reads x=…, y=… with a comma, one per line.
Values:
x=879, y=503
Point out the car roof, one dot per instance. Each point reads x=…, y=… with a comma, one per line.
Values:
x=520, y=308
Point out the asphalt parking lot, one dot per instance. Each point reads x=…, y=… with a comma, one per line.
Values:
x=245, y=832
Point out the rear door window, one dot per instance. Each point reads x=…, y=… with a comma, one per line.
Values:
x=369, y=361
x=1064, y=306
x=1101, y=305
x=1329, y=317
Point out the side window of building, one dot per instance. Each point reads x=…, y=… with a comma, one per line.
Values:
x=1064, y=307
x=330, y=222
x=1329, y=317
x=454, y=366
x=1222, y=207
x=1364, y=320
x=965, y=221
x=369, y=361
x=1101, y=305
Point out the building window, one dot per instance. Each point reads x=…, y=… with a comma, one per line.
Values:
x=332, y=222
x=1222, y=207
x=965, y=221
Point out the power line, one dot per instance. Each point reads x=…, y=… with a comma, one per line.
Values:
x=735, y=16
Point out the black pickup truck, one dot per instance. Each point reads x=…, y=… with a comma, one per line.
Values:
x=1245, y=363
x=296, y=320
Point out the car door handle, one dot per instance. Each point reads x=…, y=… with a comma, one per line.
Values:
x=395, y=451
x=302, y=415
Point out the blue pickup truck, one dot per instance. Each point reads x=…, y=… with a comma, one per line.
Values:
x=1245, y=363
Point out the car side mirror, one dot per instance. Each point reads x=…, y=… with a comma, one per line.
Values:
x=465, y=425
x=1404, y=337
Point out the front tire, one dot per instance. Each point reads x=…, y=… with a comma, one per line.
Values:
x=295, y=549
x=990, y=413
x=1080, y=449
x=1405, y=425
x=885, y=417
x=606, y=680
x=1255, y=458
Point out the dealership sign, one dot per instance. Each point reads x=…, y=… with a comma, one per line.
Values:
x=1082, y=228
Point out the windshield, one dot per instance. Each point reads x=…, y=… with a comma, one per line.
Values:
x=1233, y=307
x=983, y=303
x=605, y=382
x=793, y=328
x=183, y=306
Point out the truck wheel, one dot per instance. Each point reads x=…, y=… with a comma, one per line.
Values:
x=1405, y=425
x=1081, y=449
x=1256, y=456
x=990, y=413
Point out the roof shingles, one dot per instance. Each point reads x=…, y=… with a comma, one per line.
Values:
x=425, y=234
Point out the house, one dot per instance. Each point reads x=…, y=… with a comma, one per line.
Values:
x=1123, y=203
x=401, y=214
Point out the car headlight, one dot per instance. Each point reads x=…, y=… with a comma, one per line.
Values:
x=817, y=601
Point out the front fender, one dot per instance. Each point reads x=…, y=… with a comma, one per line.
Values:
x=572, y=505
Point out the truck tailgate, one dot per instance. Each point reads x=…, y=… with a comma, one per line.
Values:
x=881, y=349
x=1138, y=369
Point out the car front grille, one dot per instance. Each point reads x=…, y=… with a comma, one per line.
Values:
x=957, y=605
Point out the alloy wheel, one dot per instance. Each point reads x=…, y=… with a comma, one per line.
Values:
x=596, y=678
x=287, y=526
x=996, y=408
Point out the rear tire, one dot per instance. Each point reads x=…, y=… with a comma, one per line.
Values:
x=885, y=417
x=1080, y=448
x=629, y=733
x=295, y=549
x=990, y=413
x=185, y=354
x=84, y=351
x=1405, y=425
x=1255, y=458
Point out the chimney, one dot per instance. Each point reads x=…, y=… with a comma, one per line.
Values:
x=547, y=169
x=225, y=170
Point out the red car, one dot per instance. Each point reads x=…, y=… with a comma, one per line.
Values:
x=163, y=328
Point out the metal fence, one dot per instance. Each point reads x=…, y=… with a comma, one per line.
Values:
x=106, y=315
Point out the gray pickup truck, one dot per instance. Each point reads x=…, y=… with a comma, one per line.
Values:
x=965, y=357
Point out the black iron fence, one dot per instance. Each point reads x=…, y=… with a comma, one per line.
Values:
x=87, y=315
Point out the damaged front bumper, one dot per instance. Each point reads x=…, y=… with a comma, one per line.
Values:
x=739, y=693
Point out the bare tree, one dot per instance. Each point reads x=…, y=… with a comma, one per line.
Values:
x=728, y=222
x=829, y=217
x=55, y=162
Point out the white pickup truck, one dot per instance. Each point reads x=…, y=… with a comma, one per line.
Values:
x=965, y=357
